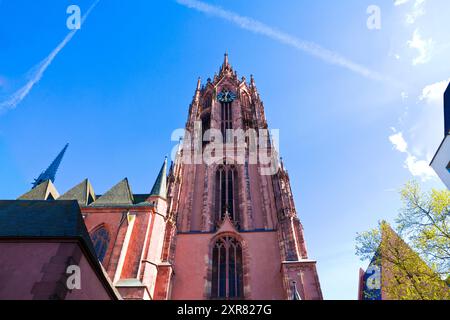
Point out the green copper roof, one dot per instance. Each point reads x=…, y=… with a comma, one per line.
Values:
x=160, y=187
x=46, y=190
x=83, y=193
x=120, y=194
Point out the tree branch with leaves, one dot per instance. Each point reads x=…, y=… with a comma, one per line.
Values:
x=415, y=270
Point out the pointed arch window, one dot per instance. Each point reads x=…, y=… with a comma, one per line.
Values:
x=205, y=115
x=226, y=193
x=100, y=239
x=227, y=119
x=226, y=98
x=227, y=269
x=206, y=125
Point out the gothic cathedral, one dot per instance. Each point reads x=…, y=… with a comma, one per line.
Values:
x=220, y=230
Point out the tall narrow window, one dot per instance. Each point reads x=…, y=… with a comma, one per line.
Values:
x=100, y=239
x=227, y=119
x=226, y=193
x=226, y=98
x=206, y=125
x=227, y=270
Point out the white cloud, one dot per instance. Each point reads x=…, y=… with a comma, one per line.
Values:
x=400, y=2
x=424, y=46
x=38, y=71
x=311, y=48
x=425, y=133
x=428, y=127
x=418, y=168
x=399, y=142
x=433, y=93
x=417, y=11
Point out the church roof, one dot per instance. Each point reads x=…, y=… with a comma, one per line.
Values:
x=83, y=193
x=44, y=191
x=160, y=187
x=120, y=194
x=50, y=220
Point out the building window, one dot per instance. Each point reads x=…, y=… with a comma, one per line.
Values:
x=226, y=193
x=227, y=270
x=227, y=118
x=206, y=125
x=100, y=239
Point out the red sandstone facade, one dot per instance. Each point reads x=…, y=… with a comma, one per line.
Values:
x=220, y=231
x=265, y=222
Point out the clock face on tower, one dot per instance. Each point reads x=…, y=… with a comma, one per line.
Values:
x=226, y=96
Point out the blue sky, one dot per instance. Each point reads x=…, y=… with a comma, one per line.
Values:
x=123, y=83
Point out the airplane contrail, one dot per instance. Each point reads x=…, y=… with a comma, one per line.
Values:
x=38, y=71
x=306, y=46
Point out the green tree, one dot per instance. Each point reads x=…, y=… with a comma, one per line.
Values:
x=424, y=223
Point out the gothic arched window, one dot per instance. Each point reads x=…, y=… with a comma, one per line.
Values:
x=226, y=193
x=100, y=239
x=206, y=125
x=227, y=269
x=227, y=118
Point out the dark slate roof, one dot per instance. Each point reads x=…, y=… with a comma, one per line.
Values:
x=120, y=194
x=160, y=187
x=140, y=198
x=49, y=220
x=37, y=219
x=41, y=192
x=83, y=193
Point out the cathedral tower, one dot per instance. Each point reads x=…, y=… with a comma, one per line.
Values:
x=232, y=228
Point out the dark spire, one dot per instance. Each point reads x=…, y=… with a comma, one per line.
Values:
x=295, y=294
x=50, y=173
x=160, y=187
x=225, y=60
